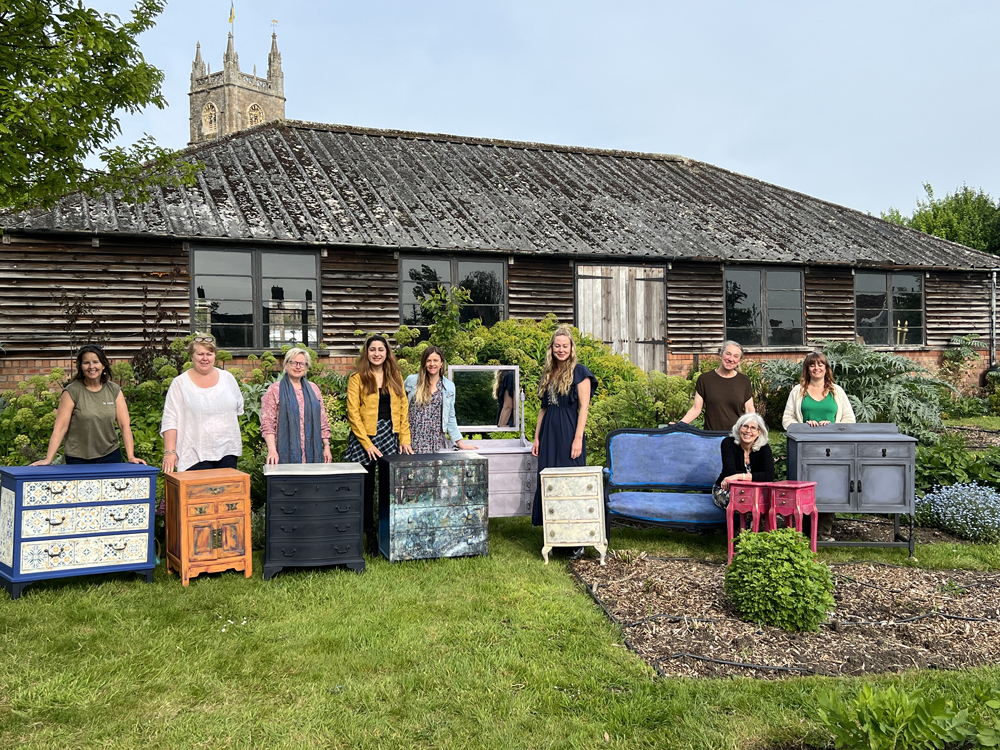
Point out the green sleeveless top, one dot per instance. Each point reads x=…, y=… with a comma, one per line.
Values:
x=92, y=432
x=819, y=411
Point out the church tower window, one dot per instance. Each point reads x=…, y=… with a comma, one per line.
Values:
x=255, y=115
x=209, y=119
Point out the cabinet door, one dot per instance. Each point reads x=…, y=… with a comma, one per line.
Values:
x=833, y=484
x=884, y=486
x=233, y=537
x=201, y=536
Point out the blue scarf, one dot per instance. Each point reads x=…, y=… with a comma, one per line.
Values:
x=289, y=445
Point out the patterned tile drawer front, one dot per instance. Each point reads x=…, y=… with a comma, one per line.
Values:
x=84, y=520
x=74, y=491
x=407, y=519
x=88, y=552
x=574, y=533
x=216, y=490
x=7, y=502
x=572, y=510
x=343, y=507
x=457, y=542
x=572, y=486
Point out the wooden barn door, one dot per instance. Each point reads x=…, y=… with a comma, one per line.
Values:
x=624, y=307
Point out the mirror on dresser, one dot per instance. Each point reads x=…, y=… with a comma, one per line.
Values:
x=488, y=399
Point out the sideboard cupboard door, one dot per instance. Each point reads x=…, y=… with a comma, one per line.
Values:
x=833, y=484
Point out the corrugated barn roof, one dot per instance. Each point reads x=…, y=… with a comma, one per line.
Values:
x=298, y=182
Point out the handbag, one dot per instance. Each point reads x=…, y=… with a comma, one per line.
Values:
x=720, y=497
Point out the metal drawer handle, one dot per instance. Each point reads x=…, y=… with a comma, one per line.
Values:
x=289, y=494
x=57, y=553
x=342, y=550
x=51, y=488
x=590, y=509
x=345, y=488
x=859, y=486
x=200, y=510
x=119, y=547
x=287, y=512
x=117, y=517
x=216, y=490
x=289, y=552
x=342, y=510
x=342, y=530
x=287, y=531
x=551, y=511
x=590, y=486
x=232, y=506
x=120, y=487
x=593, y=533
x=852, y=485
x=883, y=453
x=828, y=451
x=53, y=522
x=549, y=488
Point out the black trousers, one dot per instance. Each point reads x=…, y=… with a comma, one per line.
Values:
x=371, y=524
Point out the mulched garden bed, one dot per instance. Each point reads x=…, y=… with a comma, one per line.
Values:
x=675, y=615
x=976, y=437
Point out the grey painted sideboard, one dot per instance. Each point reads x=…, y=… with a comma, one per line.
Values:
x=858, y=468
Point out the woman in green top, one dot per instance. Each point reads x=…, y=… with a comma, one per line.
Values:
x=88, y=410
x=817, y=401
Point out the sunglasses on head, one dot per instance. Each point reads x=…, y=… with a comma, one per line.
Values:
x=204, y=339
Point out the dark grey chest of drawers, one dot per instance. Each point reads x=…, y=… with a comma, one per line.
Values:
x=858, y=468
x=433, y=505
x=313, y=516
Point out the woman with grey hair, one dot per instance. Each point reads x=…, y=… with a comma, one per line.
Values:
x=293, y=420
x=745, y=456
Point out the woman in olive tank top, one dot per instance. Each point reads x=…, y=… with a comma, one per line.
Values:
x=90, y=407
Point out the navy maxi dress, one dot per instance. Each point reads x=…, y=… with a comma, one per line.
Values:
x=558, y=431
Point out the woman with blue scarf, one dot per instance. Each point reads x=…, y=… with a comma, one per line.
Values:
x=295, y=435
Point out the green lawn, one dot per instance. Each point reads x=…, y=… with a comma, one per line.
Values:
x=493, y=652
x=985, y=423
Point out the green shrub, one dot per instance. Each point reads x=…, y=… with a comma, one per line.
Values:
x=969, y=511
x=776, y=580
x=951, y=462
x=964, y=407
x=892, y=719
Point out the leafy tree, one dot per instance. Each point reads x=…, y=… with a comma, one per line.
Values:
x=970, y=217
x=65, y=73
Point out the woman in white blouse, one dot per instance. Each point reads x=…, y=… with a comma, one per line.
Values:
x=200, y=426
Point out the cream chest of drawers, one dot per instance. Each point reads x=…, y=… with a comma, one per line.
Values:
x=573, y=509
x=59, y=521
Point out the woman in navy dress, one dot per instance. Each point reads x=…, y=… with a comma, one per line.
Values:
x=565, y=388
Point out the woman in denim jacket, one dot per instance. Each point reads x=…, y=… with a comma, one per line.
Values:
x=432, y=406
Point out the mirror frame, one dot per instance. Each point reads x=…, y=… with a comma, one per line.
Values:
x=519, y=426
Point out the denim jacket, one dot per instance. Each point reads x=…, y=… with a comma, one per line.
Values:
x=449, y=424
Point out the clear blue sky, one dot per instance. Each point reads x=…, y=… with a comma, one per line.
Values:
x=857, y=103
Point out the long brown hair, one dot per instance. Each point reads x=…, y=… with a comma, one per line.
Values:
x=391, y=377
x=423, y=394
x=827, y=377
x=557, y=377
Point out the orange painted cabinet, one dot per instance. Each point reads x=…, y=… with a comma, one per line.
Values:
x=208, y=522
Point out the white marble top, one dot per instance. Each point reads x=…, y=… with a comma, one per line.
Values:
x=557, y=470
x=311, y=469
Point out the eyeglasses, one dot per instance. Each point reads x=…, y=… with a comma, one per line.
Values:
x=204, y=339
x=293, y=363
x=751, y=427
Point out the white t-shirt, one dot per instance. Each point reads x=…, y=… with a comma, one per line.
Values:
x=205, y=419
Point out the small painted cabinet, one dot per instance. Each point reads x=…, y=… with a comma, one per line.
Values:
x=573, y=509
x=208, y=522
x=433, y=505
x=313, y=516
x=59, y=521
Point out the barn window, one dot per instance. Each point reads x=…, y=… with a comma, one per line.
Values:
x=209, y=119
x=889, y=308
x=255, y=115
x=485, y=280
x=255, y=299
x=764, y=306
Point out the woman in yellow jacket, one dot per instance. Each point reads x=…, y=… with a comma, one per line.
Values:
x=378, y=412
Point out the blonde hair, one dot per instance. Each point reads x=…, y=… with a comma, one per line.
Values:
x=423, y=395
x=205, y=340
x=557, y=377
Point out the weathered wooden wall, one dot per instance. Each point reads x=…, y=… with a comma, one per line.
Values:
x=624, y=307
x=122, y=282
x=829, y=303
x=539, y=286
x=360, y=291
x=696, y=309
x=956, y=304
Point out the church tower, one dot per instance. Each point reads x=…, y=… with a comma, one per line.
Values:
x=223, y=103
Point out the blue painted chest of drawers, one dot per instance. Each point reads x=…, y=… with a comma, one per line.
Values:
x=433, y=505
x=59, y=521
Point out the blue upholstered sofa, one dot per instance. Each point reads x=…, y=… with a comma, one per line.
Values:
x=665, y=476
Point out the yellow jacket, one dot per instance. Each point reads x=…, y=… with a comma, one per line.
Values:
x=362, y=413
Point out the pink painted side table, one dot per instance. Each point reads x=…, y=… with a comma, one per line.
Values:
x=748, y=499
x=794, y=500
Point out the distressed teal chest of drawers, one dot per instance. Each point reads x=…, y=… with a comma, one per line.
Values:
x=433, y=505
x=60, y=521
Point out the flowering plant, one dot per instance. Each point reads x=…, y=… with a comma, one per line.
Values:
x=970, y=511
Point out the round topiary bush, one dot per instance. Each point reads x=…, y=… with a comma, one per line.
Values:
x=776, y=580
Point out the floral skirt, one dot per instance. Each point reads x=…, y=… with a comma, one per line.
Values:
x=384, y=439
